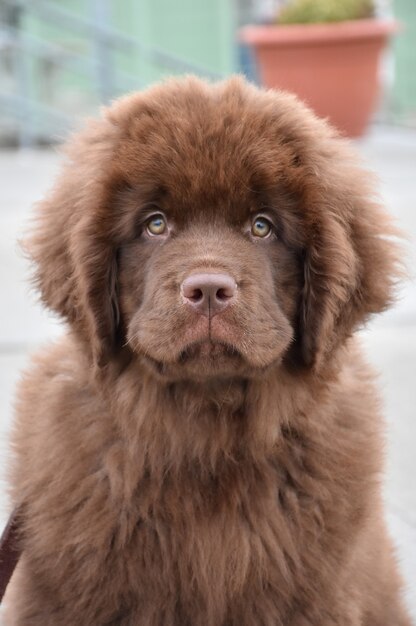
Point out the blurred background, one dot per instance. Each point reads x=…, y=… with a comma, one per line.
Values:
x=61, y=59
x=353, y=61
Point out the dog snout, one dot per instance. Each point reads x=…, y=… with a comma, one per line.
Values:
x=208, y=293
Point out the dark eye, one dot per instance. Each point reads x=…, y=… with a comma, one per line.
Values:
x=156, y=225
x=261, y=227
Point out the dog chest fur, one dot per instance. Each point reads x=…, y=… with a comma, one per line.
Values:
x=221, y=529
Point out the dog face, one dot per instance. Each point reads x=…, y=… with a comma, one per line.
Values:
x=212, y=231
x=209, y=280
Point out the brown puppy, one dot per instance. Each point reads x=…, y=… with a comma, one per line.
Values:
x=203, y=448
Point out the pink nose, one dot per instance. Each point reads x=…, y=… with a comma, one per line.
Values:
x=209, y=294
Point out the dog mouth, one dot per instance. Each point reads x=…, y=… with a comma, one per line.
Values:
x=209, y=350
x=201, y=359
x=224, y=347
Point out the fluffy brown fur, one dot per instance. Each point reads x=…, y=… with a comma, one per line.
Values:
x=181, y=470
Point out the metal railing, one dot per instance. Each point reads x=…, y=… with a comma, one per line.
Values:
x=34, y=119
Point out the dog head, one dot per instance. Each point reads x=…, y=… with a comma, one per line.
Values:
x=212, y=231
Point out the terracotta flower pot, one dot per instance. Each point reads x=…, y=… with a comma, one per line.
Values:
x=332, y=67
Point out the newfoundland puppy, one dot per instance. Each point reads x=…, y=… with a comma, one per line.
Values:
x=204, y=446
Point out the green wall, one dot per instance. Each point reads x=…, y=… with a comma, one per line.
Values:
x=404, y=93
x=199, y=31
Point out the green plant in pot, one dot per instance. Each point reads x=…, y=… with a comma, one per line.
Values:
x=320, y=11
x=328, y=53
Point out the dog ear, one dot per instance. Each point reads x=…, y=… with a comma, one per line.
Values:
x=75, y=261
x=351, y=262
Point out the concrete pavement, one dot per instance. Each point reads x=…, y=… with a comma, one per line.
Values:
x=390, y=340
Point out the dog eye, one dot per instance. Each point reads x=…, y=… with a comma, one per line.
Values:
x=156, y=225
x=261, y=227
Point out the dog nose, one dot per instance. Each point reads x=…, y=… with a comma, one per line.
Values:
x=209, y=294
